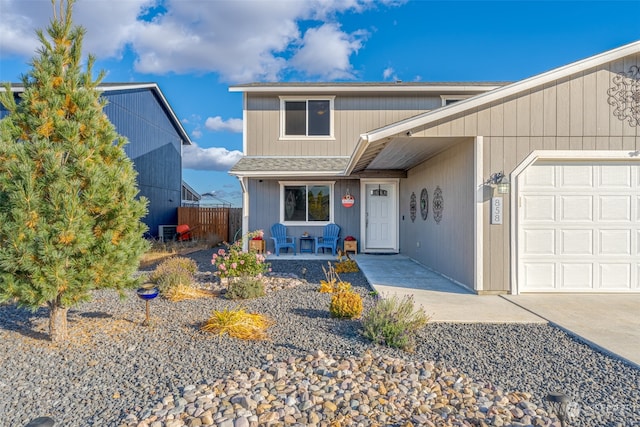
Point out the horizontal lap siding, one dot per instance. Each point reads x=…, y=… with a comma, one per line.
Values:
x=569, y=114
x=353, y=115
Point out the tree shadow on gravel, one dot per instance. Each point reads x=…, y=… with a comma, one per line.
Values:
x=94, y=315
x=24, y=321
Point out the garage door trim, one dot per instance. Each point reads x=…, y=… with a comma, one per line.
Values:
x=516, y=186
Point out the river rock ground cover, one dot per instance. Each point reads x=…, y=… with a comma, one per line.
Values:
x=314, y=370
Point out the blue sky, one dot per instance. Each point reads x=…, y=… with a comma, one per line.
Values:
x=196, y=49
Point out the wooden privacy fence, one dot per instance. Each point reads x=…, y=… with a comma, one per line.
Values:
x=207, y=222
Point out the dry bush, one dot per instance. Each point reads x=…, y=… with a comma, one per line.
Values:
x=238, y=323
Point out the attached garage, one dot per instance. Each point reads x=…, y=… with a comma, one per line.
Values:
x=578, y=226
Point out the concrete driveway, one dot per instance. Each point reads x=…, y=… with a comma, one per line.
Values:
x=610, y=322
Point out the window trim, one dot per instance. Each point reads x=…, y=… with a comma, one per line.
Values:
x=330, y=184
x=284, y=99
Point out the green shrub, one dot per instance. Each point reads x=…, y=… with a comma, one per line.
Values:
x=244, y=288
x=173, y=273
x=394, y=322
x=345, y=305
x=235, y=262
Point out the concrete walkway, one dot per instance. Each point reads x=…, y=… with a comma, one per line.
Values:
x=442, y=299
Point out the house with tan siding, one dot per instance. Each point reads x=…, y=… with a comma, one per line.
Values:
x=532, y=186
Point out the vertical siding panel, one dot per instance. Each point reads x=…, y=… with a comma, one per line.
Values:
x=577, y=106
x=536, y=143
x=484, y=122
x=486, y=230
x=510, y=154
x=457, y=127
x=629, y=143
x=562, y=143
x=537, y=112
x=471, y=124
x=497, y=119
x=497, y=231
x=549, y=142
x=616, y=125
x=522, y=148
x=550, y=110
x=589, y=143
x=523, y=119
x=628, y=130
x=615, y=143
x=444, y=128
x=602, y=106
x=510, y=117
x=575, y=142
x=563, y=103
x=590, y=99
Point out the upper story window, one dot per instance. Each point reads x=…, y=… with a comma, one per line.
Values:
x=306, y=118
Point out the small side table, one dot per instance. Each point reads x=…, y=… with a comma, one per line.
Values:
x=351, y=246
x=257, y=245
x=307, y=241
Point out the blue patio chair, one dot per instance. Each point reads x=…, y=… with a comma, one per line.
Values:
x=329, y=238
x=280, y=239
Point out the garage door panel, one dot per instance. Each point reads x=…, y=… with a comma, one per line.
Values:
x=576, y=242
x=614, y=176
x=579, y=227
x=540, y=275
x=540, y=208
x=576, y=176
x=576, y=276
x=542, y=176
x=615, y=208
x=615, y=276
x=576, y=208
x=615, y=242
x=539, y=242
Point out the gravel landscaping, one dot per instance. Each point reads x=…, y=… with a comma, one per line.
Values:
x=115, y=372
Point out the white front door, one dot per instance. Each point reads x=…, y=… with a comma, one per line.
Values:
x=380, y=217
x=579, y=227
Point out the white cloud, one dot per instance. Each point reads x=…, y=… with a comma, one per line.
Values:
x=387, y=73
x=240, y=40
x=218, y=124
x=196, y=133
x=326, y=50
x=213, y=159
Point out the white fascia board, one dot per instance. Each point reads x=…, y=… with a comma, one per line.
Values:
x=363, y=88
x=361, y=146
x=504, y=92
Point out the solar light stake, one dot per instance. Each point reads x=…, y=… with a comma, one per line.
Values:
x=147, y=292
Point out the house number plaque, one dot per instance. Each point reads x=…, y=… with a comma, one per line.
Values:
x=496, y=210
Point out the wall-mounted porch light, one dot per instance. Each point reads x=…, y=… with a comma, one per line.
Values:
x=500, y=181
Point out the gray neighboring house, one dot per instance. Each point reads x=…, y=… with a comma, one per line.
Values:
x=142, y=114
x=423, y=164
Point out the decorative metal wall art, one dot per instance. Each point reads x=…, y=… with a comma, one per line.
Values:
x=624, y=95
x=412, y=207
x=424, y=204
x=438, y=205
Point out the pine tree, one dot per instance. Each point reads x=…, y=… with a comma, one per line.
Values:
x=69, y=217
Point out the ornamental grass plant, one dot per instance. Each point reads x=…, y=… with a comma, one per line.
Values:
x=175, y=278
x=238, y=323
x=245, y=288
x=394, y=322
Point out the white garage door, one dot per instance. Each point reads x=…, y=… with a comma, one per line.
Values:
x=578, y=227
